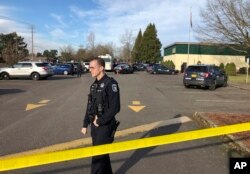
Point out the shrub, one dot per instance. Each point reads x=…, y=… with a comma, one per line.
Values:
x=230, y=69
x=169, y=64
x=222, y=66
x=243, y=70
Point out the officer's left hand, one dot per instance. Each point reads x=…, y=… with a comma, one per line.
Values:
x=95, y=123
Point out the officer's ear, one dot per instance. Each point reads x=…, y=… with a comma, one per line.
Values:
x=102, y=68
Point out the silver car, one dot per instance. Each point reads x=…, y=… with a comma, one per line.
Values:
x=33, y=70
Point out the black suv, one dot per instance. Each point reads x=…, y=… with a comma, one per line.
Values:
x=209, y=76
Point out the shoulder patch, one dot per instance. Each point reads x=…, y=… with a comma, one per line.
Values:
x=114, y=88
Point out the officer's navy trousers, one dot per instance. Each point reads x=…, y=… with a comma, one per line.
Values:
x=101, y=135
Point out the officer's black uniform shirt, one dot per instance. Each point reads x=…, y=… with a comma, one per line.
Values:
x=111, y=101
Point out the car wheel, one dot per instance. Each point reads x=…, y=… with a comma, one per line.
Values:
x=154, y=72
x=65, y=72
x=5, y=76
x=212, y=87
x=35, y=76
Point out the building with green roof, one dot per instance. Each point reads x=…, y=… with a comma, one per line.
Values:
x=203, y=53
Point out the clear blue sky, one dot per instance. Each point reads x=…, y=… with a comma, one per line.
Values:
x=59, y=23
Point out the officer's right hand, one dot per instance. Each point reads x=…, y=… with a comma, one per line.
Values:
x=84, y=131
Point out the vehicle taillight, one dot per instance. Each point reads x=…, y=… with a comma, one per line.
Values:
x=45, y=68
x=206, y=74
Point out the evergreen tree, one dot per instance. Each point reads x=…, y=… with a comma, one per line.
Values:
x=136, y=56
x=150, y=45
x=12, y=48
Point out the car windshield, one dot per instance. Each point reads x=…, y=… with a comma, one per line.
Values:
x=196, y=69
x=42, y=64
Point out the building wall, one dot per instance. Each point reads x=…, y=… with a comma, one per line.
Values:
x=179, y=59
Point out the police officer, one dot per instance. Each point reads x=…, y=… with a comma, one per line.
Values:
x=103, y=105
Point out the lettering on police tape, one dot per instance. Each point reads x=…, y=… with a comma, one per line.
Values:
x=239, y=165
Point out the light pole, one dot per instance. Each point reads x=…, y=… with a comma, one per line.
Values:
x=1, y=46
x=16, y=50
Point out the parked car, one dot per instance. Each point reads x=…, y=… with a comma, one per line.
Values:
x=123, y=69
x=209, y=76
x=139, y=67
x=64, y=69
x=86, y=65
x=73, y=69
x=161, y=69
x=149, y=67
x=33, y=70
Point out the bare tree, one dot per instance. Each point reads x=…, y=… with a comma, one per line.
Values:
x=127, y=41
x=91, y=43
x=105, y=49
x=226, y=22
x=67, y=53
x=81, y=54
x=111, y=48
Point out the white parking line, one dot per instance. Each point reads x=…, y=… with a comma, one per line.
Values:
x=209, y=92
x=172, y=87
x=223, y=101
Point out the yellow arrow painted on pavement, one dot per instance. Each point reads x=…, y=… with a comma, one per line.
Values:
x=136, y=108
x=136, y=102
x=43, y=101
x=33, y=106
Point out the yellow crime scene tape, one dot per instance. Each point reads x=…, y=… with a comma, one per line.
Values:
x=66, y=155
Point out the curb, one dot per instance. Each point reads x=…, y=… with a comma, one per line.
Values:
x=239, y=87
x=234, y=144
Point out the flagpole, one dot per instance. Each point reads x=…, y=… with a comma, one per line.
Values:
x=189, y=34
x=188, y=47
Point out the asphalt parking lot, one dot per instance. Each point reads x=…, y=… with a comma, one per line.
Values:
x=62, y=101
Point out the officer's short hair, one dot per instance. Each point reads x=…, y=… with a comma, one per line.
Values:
x=99, y=60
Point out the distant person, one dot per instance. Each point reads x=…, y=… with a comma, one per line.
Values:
x=183, y=67
x=72, y=68
x=79, y=70
x=115, y=64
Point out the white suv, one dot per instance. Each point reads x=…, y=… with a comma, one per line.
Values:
x=33, y=70
x=86, y=65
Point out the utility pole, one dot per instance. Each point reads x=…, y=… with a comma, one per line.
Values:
x=27, y=24
x=32, y=42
